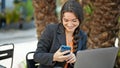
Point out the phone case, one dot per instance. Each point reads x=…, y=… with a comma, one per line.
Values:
x=64, y=48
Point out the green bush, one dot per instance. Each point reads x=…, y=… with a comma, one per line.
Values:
x=21, y=10
x=29, y=10
x=12, y=16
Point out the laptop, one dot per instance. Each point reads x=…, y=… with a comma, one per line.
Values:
x=96, y=58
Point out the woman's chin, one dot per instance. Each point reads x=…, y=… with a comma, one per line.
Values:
x=70, y=30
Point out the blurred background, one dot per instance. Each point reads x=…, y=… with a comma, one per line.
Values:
x=17, y=26
x=22, y=23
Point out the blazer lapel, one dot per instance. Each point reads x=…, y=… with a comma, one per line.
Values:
x=61, y=35
x=61, y=39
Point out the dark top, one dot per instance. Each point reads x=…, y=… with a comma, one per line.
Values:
x=50, y=41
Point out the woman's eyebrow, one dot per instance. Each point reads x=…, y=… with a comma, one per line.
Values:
x=71, y=19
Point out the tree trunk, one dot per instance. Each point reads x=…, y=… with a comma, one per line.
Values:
x=102, y=25
x=44, y=13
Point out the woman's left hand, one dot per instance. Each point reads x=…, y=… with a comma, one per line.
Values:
x=71, y=59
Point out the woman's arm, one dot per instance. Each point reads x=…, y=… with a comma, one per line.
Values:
x=84, y=41
x=42, y=54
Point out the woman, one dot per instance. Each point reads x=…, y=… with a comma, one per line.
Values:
x=67, y=33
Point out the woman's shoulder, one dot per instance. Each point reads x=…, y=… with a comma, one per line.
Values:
x=83, y=33
x=52, y=27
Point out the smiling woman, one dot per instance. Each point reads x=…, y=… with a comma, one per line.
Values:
x=68, y=33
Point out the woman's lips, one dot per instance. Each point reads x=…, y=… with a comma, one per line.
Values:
x=70, y=27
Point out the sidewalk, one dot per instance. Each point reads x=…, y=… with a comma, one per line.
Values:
x=17, y=36
x=24, y=41
x=21, y=49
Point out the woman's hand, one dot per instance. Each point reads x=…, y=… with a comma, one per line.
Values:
x=71, y=58
x=59, y=56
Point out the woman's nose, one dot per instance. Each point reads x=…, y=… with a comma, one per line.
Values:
x=69, y=24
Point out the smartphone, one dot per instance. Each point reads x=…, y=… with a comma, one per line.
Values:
x=64, y=48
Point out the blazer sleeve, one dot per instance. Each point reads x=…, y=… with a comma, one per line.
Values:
x=84, y=41
x=42, y=54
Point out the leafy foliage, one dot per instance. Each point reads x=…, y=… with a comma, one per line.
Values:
x=29, y=10
x=21, y=9
x=88, y=9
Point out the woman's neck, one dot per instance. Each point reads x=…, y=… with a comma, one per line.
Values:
x=70, y=34
x=69, y=37
x=69, y=40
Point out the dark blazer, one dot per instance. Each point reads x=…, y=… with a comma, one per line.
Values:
x=50, y=41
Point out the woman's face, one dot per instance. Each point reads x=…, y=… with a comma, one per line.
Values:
x=70, y=21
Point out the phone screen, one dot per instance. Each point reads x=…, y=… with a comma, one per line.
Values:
x=64, y=48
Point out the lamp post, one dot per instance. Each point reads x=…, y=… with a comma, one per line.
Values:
x=2, y=20
x=2, y=5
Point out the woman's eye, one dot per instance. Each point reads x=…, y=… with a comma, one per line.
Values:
x=65, y=20
x=74, y=20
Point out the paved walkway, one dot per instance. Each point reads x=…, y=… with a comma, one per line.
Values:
x=24, y=41
x=21, y=49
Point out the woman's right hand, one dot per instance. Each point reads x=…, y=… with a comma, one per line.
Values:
x=59, y=56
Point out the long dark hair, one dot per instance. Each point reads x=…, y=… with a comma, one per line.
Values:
x=74, y=7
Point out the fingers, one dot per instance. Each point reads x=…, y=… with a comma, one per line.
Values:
x=65, y=52
x=59, y=56
x=63, y=56
x=71, y=59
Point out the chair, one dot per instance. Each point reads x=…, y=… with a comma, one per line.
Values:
x=6, y=55
x=30, y=61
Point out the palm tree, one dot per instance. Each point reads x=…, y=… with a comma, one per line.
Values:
x=105, y=16
x=44, y=12
x=101, y=23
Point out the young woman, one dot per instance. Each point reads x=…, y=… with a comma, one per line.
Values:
x=68, y=32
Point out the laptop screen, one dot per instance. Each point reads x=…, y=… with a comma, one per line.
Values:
x=96, y=58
